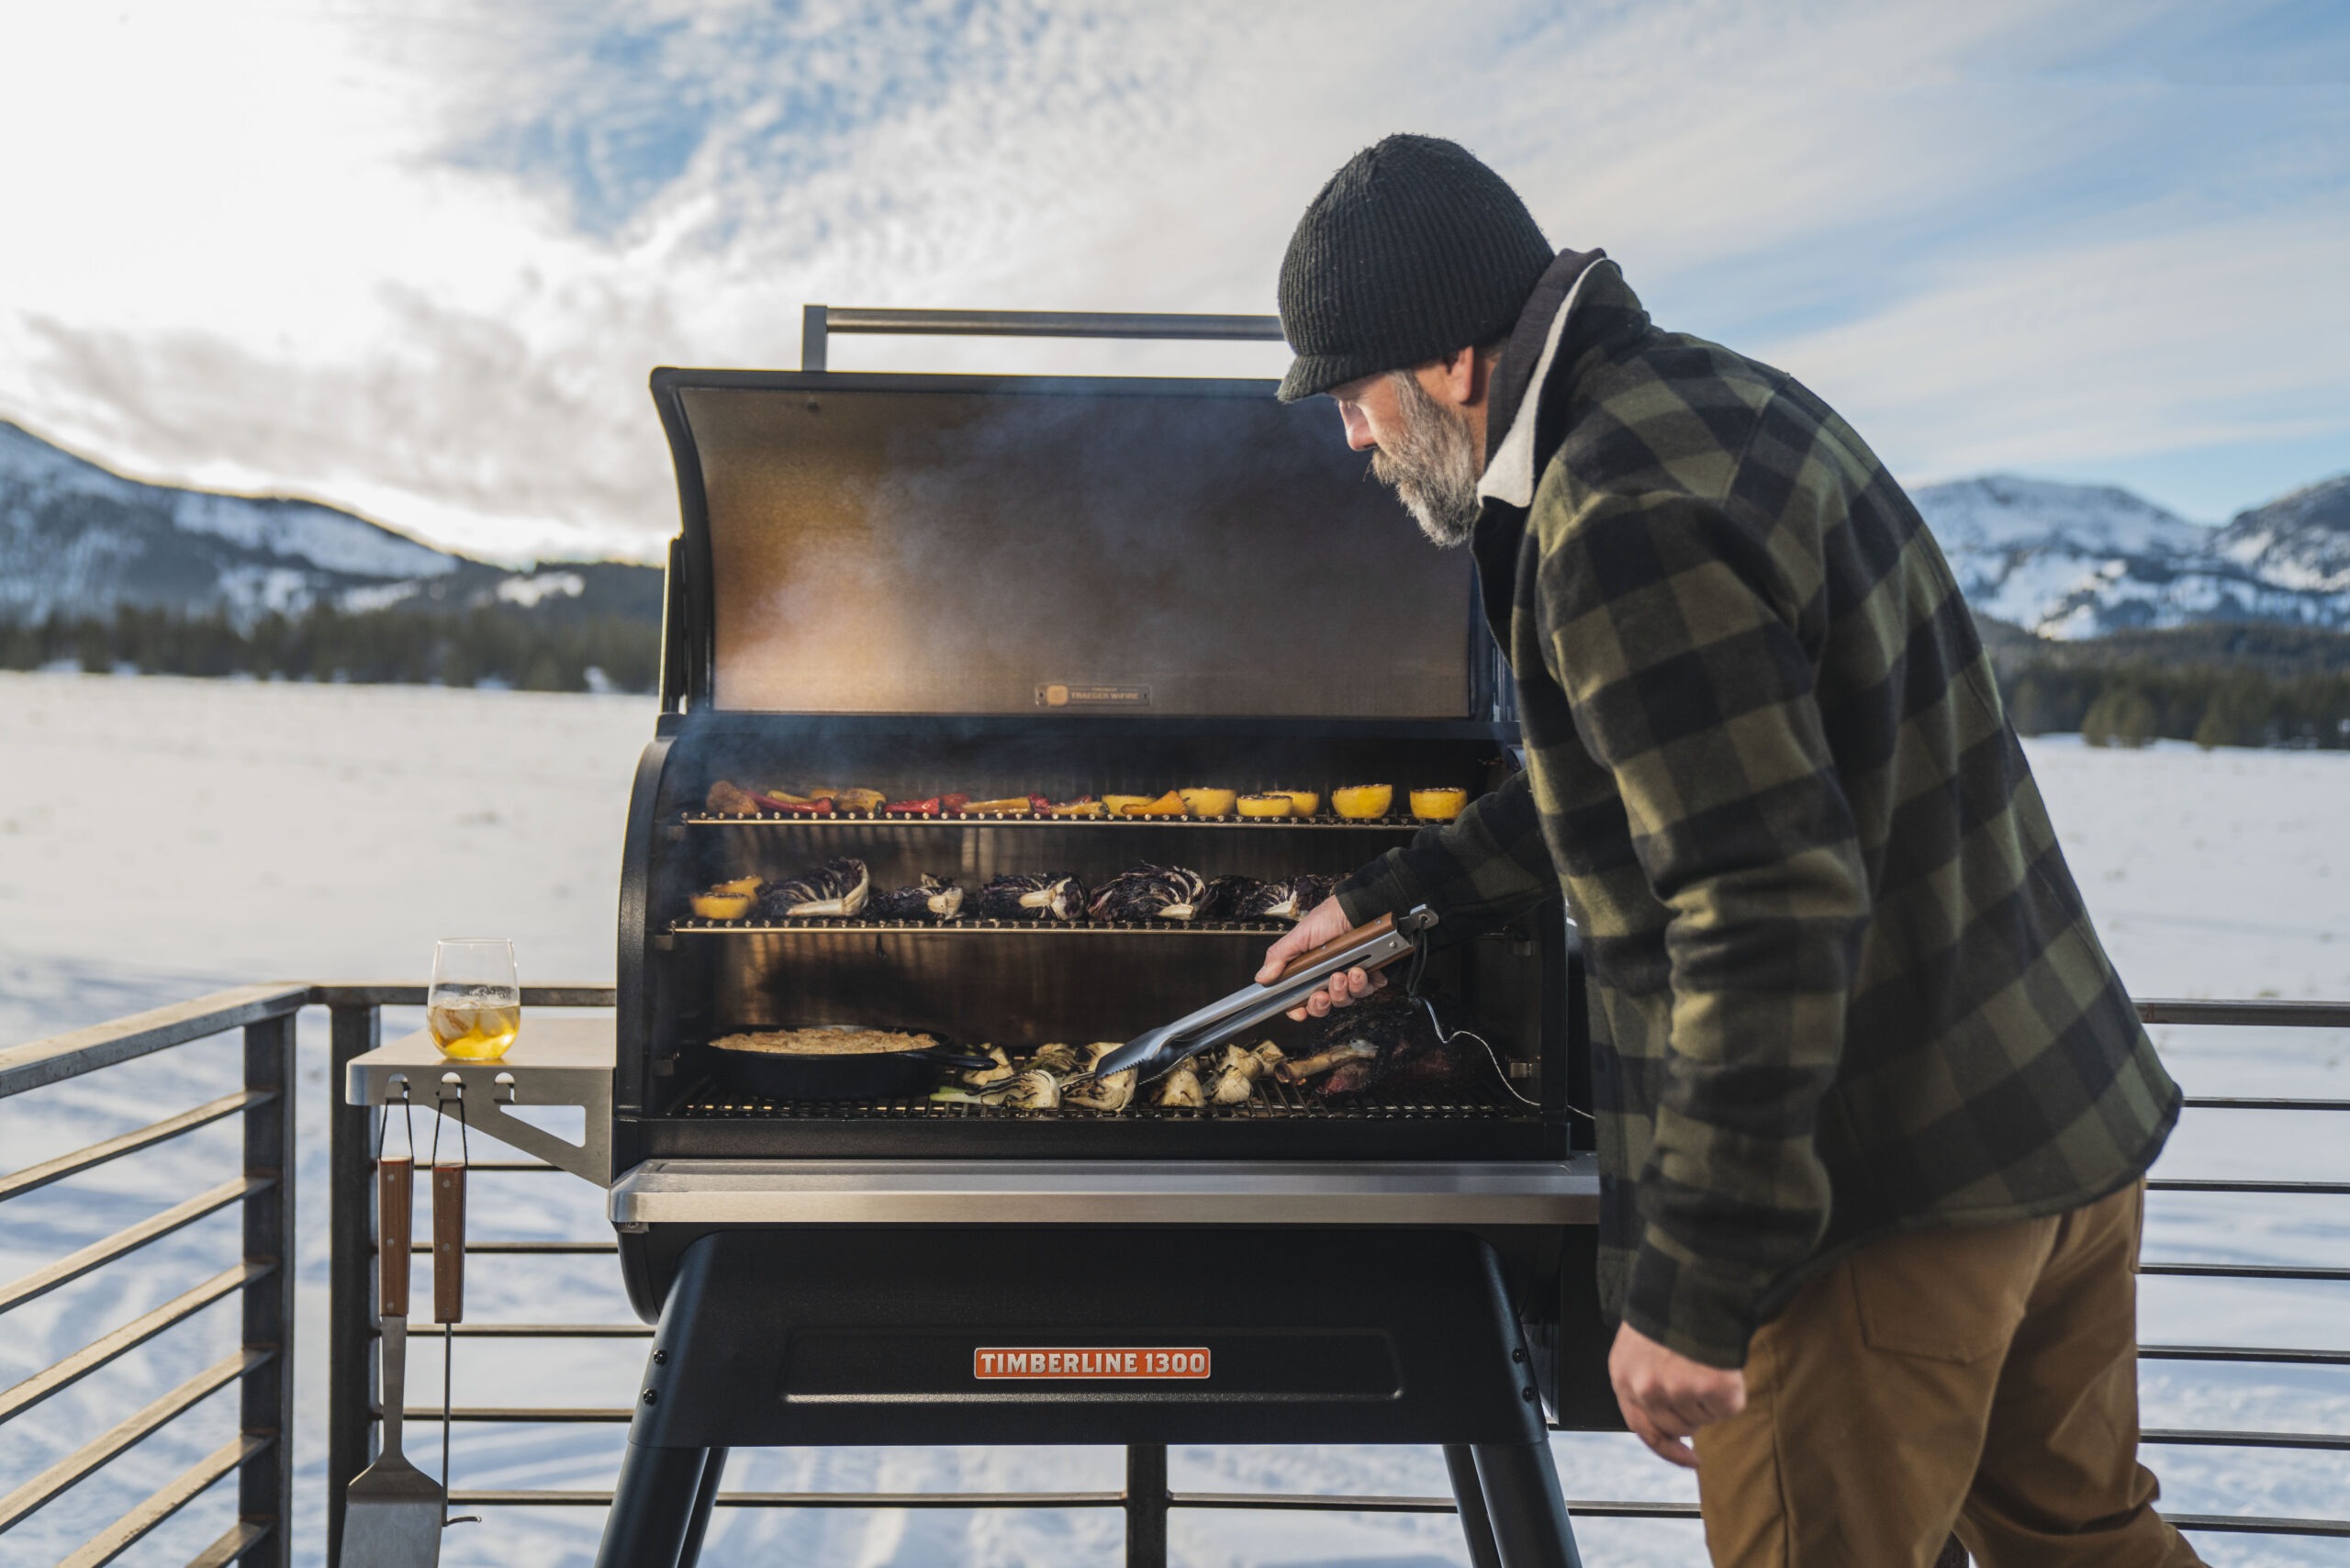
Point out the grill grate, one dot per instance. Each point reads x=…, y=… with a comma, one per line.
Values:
x=685, y=926
x=1274, y=1102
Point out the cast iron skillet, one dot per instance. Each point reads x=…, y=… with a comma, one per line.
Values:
x=872, y=1075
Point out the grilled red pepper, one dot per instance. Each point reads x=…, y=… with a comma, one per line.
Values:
x=1041, y=806
x=955, y=803
x=923, y=807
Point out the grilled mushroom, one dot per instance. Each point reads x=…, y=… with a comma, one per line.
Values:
x=1149, y=892
x=838, y=889
x=929, y=898
x=1181, y=1087
x=1015, y=897
x=1237, y=1075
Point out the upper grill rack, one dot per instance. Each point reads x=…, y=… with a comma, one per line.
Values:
x=970, y=819
x=692, y=925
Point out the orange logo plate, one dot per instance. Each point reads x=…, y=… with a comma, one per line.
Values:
x=990, y=1363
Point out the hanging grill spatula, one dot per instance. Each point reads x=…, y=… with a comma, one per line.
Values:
x=392, y=1512
x=1368, y=948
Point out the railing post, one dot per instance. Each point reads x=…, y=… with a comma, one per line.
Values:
x=265, y=1481
x=1146, y=1505
x=351, y=1221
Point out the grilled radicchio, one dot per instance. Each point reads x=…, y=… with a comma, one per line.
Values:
x=1149, y=892
x=929, y=898
x=838, y=889
x=1285, y=901
x=1033, y=898
x=1225, y=895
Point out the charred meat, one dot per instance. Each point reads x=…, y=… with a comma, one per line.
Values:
x=1149, y=892
x=1014, y=897
x=838, y=889
x=1387, y=1043
x=929, y=898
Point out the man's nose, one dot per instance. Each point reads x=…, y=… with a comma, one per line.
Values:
x=1359, y=436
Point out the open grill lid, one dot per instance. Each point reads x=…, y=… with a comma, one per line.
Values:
x=959, y=545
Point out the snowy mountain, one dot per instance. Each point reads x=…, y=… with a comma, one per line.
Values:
x=2073, y=561
x=78, y=539
x=2302, y=539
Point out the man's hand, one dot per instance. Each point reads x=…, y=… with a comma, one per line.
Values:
x=1665, y=1396
x=1326, y=922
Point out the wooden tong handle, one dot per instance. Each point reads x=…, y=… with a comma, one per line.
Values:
x=1361, y=937
x=448, y=1244
x=395, y=1215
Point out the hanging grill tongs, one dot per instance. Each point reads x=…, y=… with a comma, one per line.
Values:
x=1369, y=947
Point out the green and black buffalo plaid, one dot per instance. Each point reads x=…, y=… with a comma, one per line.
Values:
x=1843, y=983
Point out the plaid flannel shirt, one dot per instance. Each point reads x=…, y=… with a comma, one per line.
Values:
x=1843, y=983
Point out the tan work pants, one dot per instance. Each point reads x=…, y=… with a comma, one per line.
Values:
x=1977, y=1377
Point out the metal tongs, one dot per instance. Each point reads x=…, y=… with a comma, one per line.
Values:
x=1371, y=947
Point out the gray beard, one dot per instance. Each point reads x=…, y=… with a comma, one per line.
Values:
x=1432, y=464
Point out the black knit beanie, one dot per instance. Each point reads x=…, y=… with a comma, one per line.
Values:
x=1412, y=250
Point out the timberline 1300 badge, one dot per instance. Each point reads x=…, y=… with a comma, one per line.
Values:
x=1189, y=1361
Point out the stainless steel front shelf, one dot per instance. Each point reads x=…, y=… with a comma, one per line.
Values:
x=1008, y=1192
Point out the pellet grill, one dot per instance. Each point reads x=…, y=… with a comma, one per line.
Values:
x=1011, y=585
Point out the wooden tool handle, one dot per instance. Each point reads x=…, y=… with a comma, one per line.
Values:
x=394, y=1216
x=1361, y=937
x=448, y=1244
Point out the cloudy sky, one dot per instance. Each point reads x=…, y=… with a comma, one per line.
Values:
x=417, y=256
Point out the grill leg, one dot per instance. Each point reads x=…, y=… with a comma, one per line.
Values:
x=1146, y=1506
x=1527, y=1510
x=1460, y=1463
x=705, y=1495
x=652, y=1507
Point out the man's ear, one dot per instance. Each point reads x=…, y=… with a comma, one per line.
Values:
x=1458, y=379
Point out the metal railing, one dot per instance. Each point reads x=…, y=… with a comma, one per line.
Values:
x=261, y=1457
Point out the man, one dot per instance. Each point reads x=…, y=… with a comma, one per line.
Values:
x=1873, y=1110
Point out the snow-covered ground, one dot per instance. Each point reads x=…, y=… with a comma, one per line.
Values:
x=159, y=838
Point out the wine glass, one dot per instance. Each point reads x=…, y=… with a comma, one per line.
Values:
x=474, y=1008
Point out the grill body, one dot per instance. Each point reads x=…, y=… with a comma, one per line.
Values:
x=1012, y=585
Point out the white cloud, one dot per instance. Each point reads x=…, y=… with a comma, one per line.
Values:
x=418, y=259
x=2101, y=350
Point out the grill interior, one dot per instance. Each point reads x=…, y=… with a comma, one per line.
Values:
x=1009, y=588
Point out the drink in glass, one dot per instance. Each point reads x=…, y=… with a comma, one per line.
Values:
x=474, y=1008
